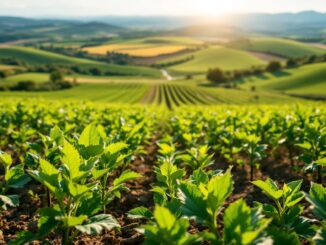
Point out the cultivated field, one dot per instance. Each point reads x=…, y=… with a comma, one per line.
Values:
x=147, y=47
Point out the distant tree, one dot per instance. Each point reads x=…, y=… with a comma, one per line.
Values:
x=189, y=76
x=95, y=71
x=274, y=66
x=24, y=86
x=291, y=63
x=3, y=74
x=216, y=76
x=312, y=59
x=56, y=76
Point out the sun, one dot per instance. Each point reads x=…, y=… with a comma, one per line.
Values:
x=216, y=7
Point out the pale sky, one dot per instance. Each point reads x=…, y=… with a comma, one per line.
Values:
x=153, y=7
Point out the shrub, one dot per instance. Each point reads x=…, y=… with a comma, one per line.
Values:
x=274, y=66
x=24, y=86
x=56, y=76
x=216, y=76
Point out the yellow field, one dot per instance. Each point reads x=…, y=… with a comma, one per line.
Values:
x=138, y=50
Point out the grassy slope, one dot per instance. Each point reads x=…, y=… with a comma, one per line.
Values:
x=283, y=47
x=38, y=57
x=223, y=58
x=305, y=80
x=110, y=92
x=36, y=77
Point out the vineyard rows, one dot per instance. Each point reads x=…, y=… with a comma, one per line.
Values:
x=92, y=173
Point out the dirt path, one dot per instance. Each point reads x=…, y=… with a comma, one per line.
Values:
x=166, y=74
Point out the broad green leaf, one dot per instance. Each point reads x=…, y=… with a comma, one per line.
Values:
x=115, y=148
x=72, y=160
x=16, y=178
x=219, y=189
x=317, y=197
x=321, y=162
x=96, y=224
x=164, y=218
x=269, y=188
x=140, y=213
x=5, y=159
x=57, y=135
x=240, y=225
x=71, y=221
x=47, y=222
x=280, y=236
x=126, y=176
x=97, y=174
x=77, y=190
x=48, y=175
x=193, y=203
x=90, y=136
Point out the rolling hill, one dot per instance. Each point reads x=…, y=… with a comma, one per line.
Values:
x=34, y=56
x=216, y=57
x=283, y=47
x=309, y=80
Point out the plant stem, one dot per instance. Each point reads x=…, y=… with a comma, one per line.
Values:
x=319, y=175
x=65, y=238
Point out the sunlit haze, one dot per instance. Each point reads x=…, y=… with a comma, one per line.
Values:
x=153, y=7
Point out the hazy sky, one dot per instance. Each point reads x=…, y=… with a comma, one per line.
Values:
x=153, y=7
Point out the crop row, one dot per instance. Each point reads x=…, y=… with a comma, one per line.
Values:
x=83, y=156
x=175, y=95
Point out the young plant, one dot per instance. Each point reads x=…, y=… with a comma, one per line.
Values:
x=168, y=229
x=255, y=152
x=314, y=150
x=197, y=158
x=204, y=202
x=76, y=201
x=243, y=225
x=14, y=177
x=287, y=210
x=168, y=178
x=78, y=183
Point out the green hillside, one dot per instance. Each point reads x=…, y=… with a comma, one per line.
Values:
x=34, y=56
x=307, y=80
x=39, y=57
x=278, y=46
x=217, y=56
